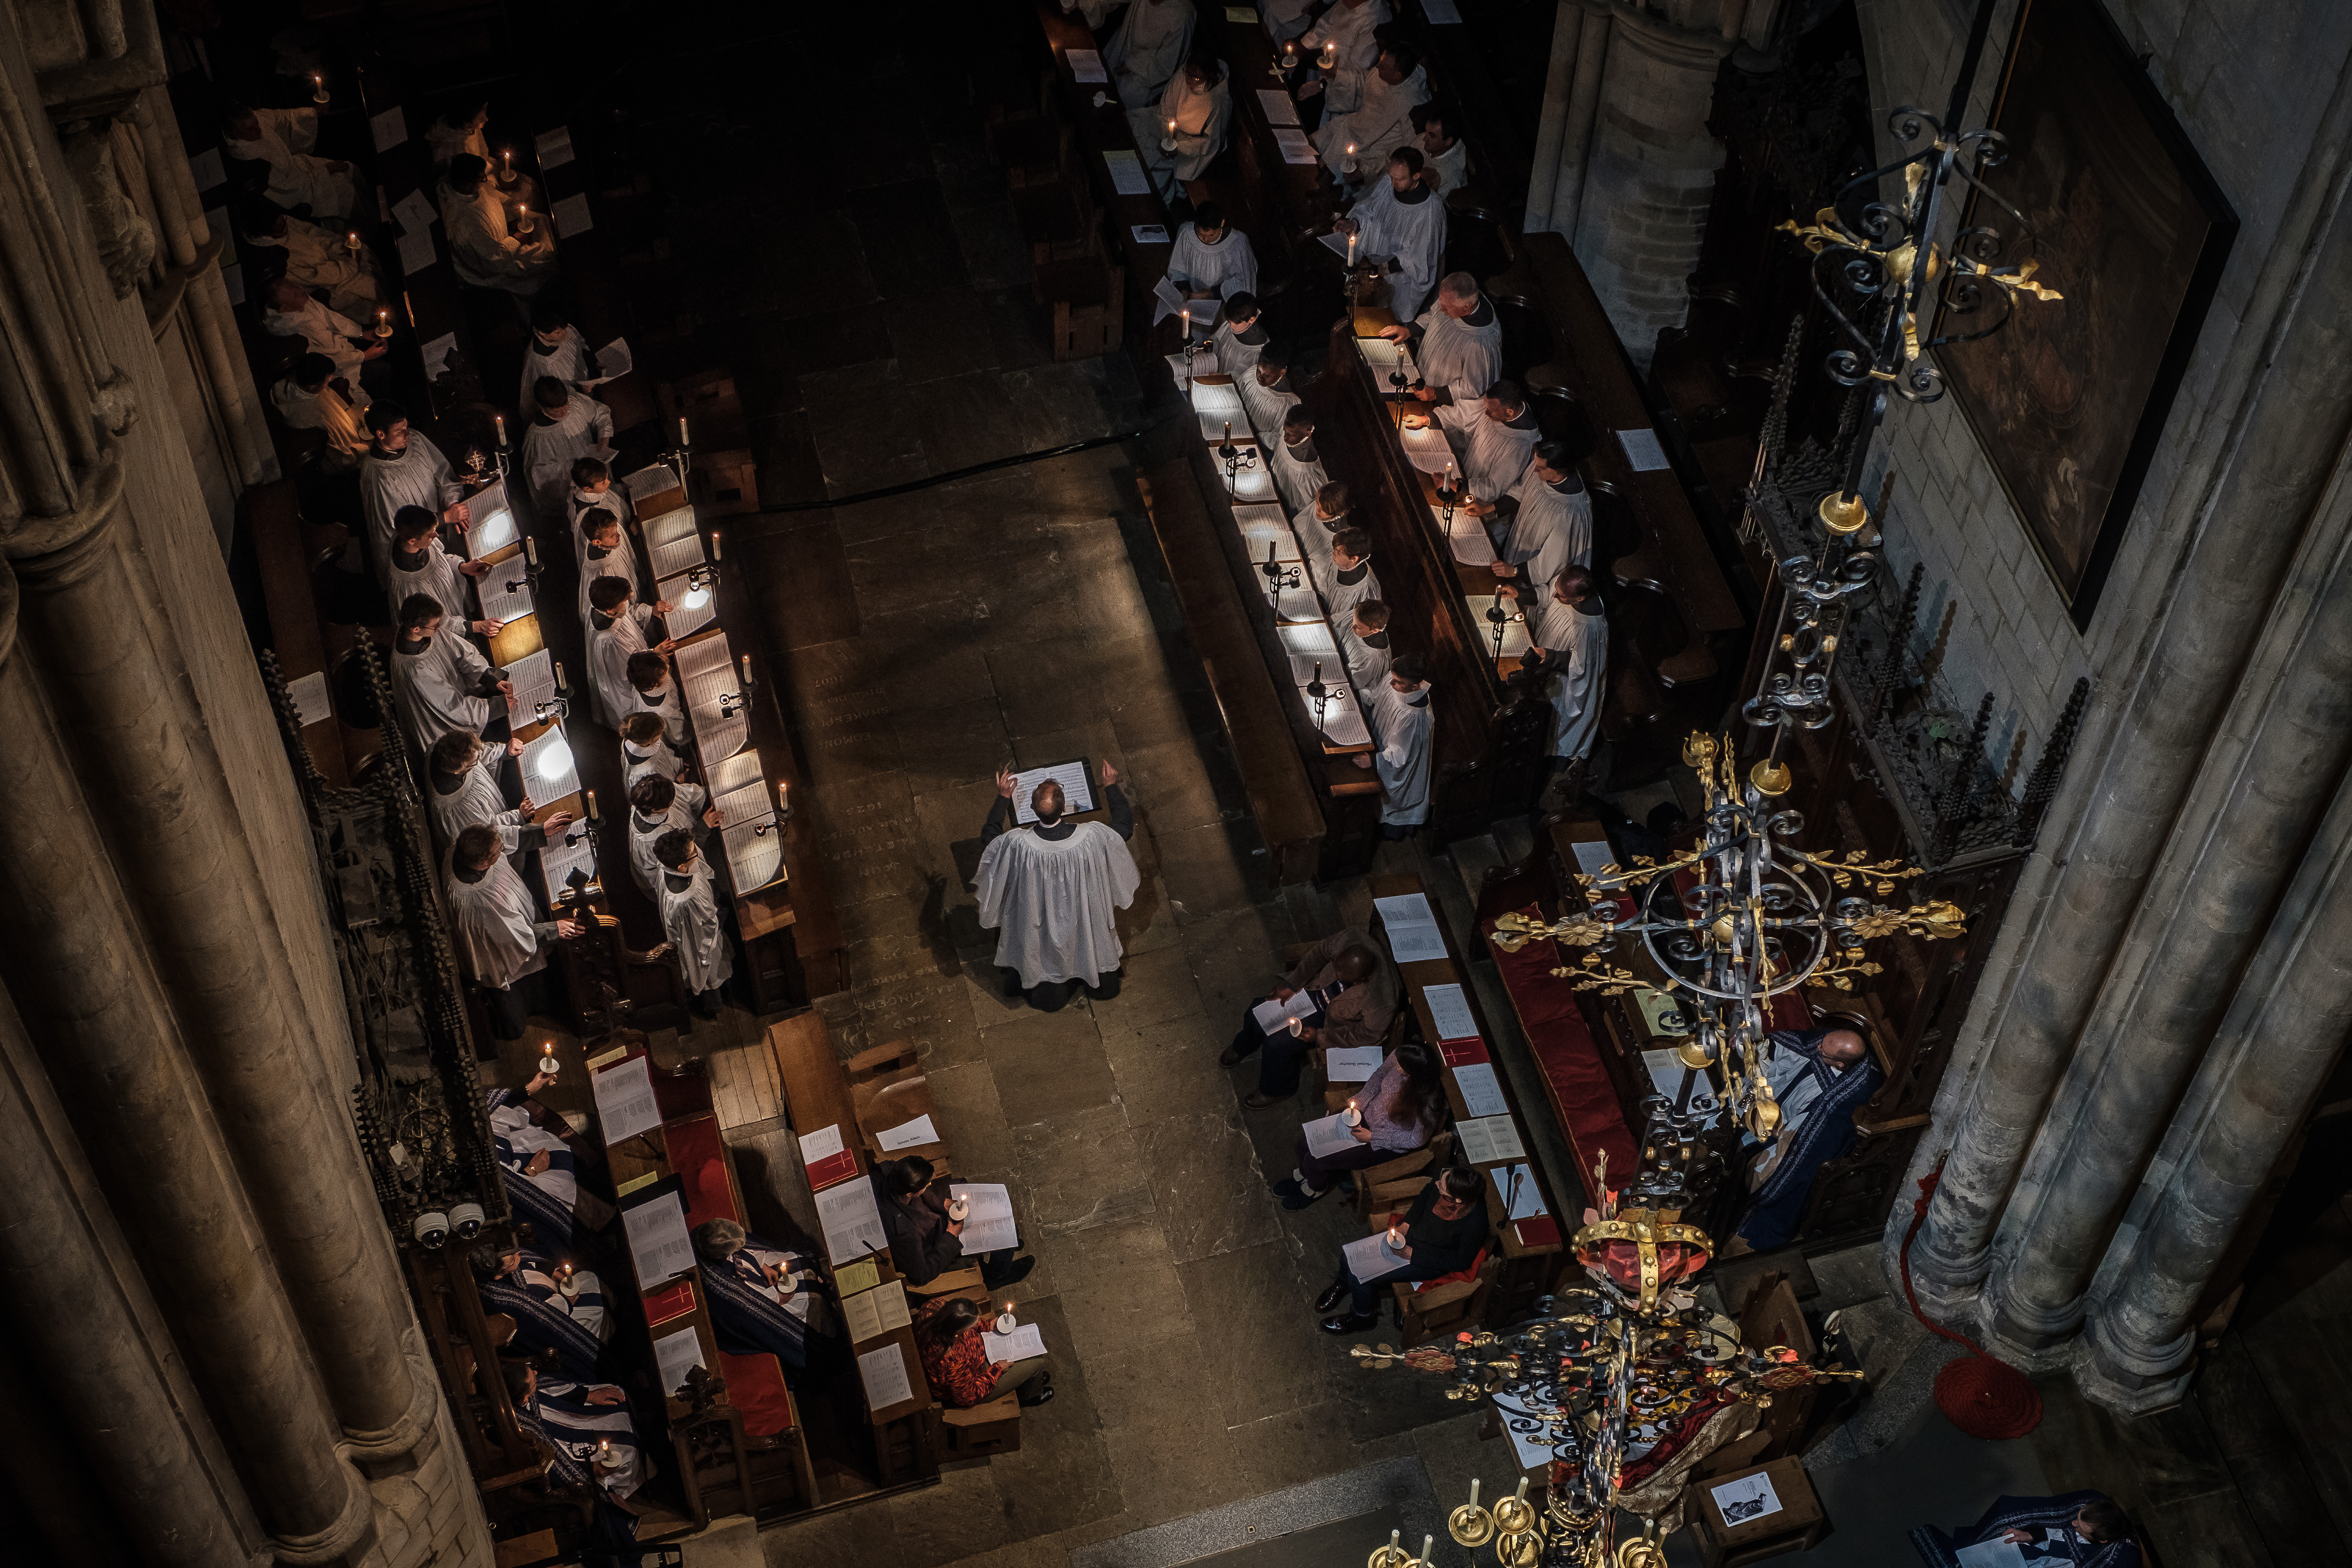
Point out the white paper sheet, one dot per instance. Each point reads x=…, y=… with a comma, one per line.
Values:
x=742, y=768
x=501, y=602
x=624, y=1099
x=390, y=129
x=1279, y=108
x=754, y=858
x=1593, y=855
x=989, y=1226
x=1166, y=301
x=1515, y=642
x=571, y=215
x=1350, y=1064
x=1077, y=788
x=1272, y=1015
x=1384, y=358
x=1441, y=12
x=1296, y=148
x=1746, y=1500
x=1426, y=450
x=1086, y=65
x=558, y=858
x=1518, y=1183
x=742, y=806
x=1449, y=1008
x=851, y=1222
x=682, y=622
x=533, y=679
x=884, y=1373
x=1489, y=1140
x=549, y=773
x=660, y=1244
x=1641, y=450
x=554, y=148
x=675, y=1355
x=649, y=481
x=207, y=168
x=822, y=1145
x=1128, y=176
x=1482, y=1092
x=673, y=542
x=870, y=1314
x=1150, y=234
x=1328, y=1135
x=437, y=355
x=415, y=213
x=908, y=1135
x=309, y=695
x=1412, y=928
x=1990, y=1554
x=1468, y=538
x=1024, y=1342
x=614, y=361
x=415, y=252
x=1339, y=718
x=1369, y=1257
x=492, y=525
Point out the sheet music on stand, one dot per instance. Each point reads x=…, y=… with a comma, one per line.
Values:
x=706, y=673
x=614, y=361
x=1260, y=524
x=649, y=481
x=1077, y=788
x=745, y=805
x=557, y=860
x=681, y=621
x=1515, y=630
x=1314, y=641
x=1382, y=356
x=501, y=604
x=1251, y=481
x=673, y=543
x=754, y=858
x=1299, y=607
x=1427, y=449
x=1279, y=109
x=731, y=773
x=1218, y=402
x=1468, y=538
x=533, y=678
x=1341, y=721
x=493, y=525
x=541, y=780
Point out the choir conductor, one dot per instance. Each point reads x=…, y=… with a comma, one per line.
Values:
x=1050, y=889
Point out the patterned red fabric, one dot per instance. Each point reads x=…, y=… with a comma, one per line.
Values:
x=960, y=1372
x=1564, y=1050
x=1694, y=1421
x=755, y=1384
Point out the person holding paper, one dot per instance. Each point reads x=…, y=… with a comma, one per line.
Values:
x=1445, y=1231
x=421, y=563
x=1296, y=466
x=1821, y=1078
x=1568, y=653
x=442, y=683
x=1543, y=525
x=483, y=248
x=1211, y=259
x=1193, y=112
x=318, y=258
x=948, y=1332
x=322, y=188
x=459, y=128
x=556, y=348
x=1401, y=1105
x=616, y=634
x=293, y=313
x=657, y=807
x=573, y=1328
x=537, y=1168
x=1240, y=335
x=767, y=1299
x=311, y=396
x=1402, y=722
x=467, y=783
x=2083, y=1528
x=1353, y=992
x=1400, y=223
x=590, y=1436
x=1344, y=33
x=565, y=425
x=1382, y=120
x=1364, y=645
x=1152, y=40
x=1456, y=344
x=1051, y=891
x=693, y=922
x=402, y=469
x=1265, y=392
x=1496, y=439
x=926, y=1241
x=501, y=944
x=656, y=693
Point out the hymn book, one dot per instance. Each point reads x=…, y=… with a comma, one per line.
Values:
x=624, y=1100
x=533, y=680
x=675, y=1355
x=492, y=527
x=673, y=542
x=550, y=771
x=989, y=1226
x=870, y=1314
x=705, y=679
x=1412, y=928
x=679, y=620
x=1328, y=1135
x=505, y=591
x=557, y=859
x=1078, y=789
x=1024, y=1342
x=1337, y=716
x=660, y=1248
x=1489, y=1140
x=884, y=1373
x=851, y=1222
x=1350, y=1064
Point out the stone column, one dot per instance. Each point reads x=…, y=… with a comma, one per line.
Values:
x=1567, y=201
x=1543, y=164
x=2284, y=1034
x=2275, y=451
x=1651, y=176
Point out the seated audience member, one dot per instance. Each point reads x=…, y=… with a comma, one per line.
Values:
x=293, y=313
x=1211, y=258
x=555, y=348
x=1193, y=114
x=566, y=427
x=1443, y=1233
x=1403, y=1105
x=459, y=128
x=538, y=1168
x=326, y=189
x=485, y=249
x=421, y=563
x=314, y=396
x=657, y=807
x=657, y=694
x=1444, y=157
x=318, y=258
x=1296, y=465
x=465, y=786
x=925, y=1242
x=2084, y=1529
x=767, y=1299
x=501, y=943
x=955, y=1361
x=1821, y=1076
x=1355, y=994
x=1265, y=392
x=587, y=1429
x=694, y=928
x=571, y=1325
x=442, y=682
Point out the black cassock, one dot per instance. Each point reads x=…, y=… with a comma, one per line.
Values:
x=747, y=1318
x=2045, y=1519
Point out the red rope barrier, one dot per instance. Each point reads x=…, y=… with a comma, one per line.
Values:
x=1980, y=1395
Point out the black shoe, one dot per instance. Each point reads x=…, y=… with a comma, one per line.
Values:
x=1287, y=1188
x=1329, y=1300
x=1350, y=1323
x=1012, y=1273
x=1031, y=1400
x=1298, y=1197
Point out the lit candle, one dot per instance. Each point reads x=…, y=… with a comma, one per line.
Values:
x=1229, y=432
x=383, y=323
x=748, y=682
x=500, y=421
x=783, y=797
x=715, y=552
x=522, y=219
x=1351, y=252
x=509, y=155
x=1289, y=56
x=591, y=808
x=1188, y=326
x=1352, y=157
x=1355, y=1117
x=1005, y=1321
x=1330, y=55
x=318, y=88
x=352, y=241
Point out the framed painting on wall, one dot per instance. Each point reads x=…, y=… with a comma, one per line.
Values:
x=2069, y=399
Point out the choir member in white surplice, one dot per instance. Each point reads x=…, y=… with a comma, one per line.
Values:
x=483, y=246
x=645, y=749
x=1444, y=157
x=495, y=926
x=318, y=258
x=1095, y=12
x=442, y=681
x=617, y=629
x=1344, y=32
x=1570, y=658
x=293, y=313
x=1296, y=466
x=1240, y=335
x=1152, y=41
x=1265, y=392
x=459, y=128
x=421, y=563
x=657, y=693
x=657, y=807
x=1364, y=648
x=1400, y=224
x=1211, y=259
x=1456, y=343
x=283, y=138
x=603, y=553
x=1284, y=19
x=767, y=1299
x=1344, y=573
x=311, y=396
x=402, y=469
x=591, y=1437
x=556, y=348
x=694, y=927
x=1495, y=438
x=569, y=1324
x=1181, y=135
x=464, y=787
x=1379, y=124
x=1050, y=890
x=1316, y=523
x=1402, y=724
x=1543, y=525
x=566, y=427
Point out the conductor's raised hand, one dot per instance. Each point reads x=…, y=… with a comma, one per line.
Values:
x=1004, y=782
x=1110, y=775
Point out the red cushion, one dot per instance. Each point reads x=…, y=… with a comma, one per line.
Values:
x=696, y=1155
x=755, y=1386
x=1563, y=1048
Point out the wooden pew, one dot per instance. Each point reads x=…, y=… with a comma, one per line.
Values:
x=1101, y=130
x=429, y=298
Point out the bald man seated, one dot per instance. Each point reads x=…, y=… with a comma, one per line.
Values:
x=1821, y=1076
x=1349, y=995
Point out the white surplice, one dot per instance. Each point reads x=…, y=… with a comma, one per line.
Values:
x=1051, y=901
